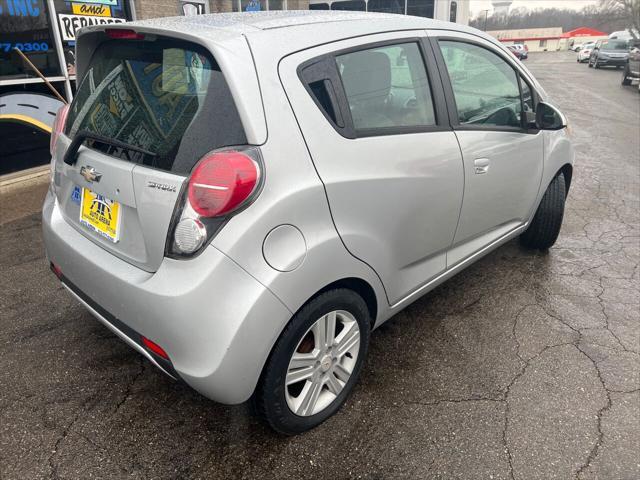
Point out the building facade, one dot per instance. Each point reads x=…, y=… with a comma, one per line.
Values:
x=547, y=39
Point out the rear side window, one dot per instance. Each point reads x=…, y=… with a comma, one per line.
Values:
x=485, y=87
x=165, y=96
x=387, y=87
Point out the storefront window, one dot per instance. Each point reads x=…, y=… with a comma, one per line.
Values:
x=276, y=5
x=253, y=5
x=420, y=8
x=24, y=25
x=386, y=6
x=352, y=5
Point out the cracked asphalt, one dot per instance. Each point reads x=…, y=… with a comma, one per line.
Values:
x=525, y=366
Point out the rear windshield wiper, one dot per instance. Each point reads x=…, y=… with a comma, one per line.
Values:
x=71, y=155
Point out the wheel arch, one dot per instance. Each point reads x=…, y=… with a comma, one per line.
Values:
x=359, y=286
x=567, y=171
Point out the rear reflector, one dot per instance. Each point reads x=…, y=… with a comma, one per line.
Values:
x=123, y=34
x=56, y=270
x=155, y=348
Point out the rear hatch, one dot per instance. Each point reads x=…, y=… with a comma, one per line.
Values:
x=615, y=48
x=158, y=105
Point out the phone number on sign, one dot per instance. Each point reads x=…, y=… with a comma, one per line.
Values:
x=25, y=47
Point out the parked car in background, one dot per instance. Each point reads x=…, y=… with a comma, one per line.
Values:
x=632, y=67
x=609, y=53
x=522, y=49
x=515, y=51
x=243, y=198
x=585, y=52
x=576, y=47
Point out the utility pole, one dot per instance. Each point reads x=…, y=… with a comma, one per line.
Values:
x=486, y=12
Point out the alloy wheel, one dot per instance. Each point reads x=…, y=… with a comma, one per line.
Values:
x=322, y=363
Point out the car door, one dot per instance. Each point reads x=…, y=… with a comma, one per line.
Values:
x=491, y=106
x=373, y=115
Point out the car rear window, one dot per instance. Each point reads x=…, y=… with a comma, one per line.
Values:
x=614, y=45
x=165, y=96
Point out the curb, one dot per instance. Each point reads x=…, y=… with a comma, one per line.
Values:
x=24, y=176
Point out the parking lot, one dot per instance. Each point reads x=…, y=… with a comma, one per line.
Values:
x=524, y=366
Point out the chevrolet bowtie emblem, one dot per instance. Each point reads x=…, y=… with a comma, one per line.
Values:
x=90, y=174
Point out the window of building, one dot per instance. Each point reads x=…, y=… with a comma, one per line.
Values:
x=27, y=29
x=420, y=8
x=387, y=87
x=352, y=5
x=253, y=5
x=543, y=43
x=485, y=86
x=386, y=6
x=453, y=11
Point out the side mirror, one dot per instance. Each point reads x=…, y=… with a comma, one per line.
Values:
x=549, y=117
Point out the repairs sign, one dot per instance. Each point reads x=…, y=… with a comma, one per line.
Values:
x=70, y=24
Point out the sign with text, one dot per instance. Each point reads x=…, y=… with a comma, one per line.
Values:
x=111, y=3
x=70, y=24
x=88, y=9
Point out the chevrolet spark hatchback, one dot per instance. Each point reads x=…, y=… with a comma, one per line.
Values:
x=243, y=198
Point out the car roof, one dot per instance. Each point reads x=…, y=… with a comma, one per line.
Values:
x=244, y=22
x=290, y=25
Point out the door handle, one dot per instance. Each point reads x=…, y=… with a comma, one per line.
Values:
x=481, y=165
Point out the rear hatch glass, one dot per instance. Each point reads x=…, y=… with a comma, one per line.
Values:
x=163, y=96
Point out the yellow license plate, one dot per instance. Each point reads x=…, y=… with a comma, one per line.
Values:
x=100, y=214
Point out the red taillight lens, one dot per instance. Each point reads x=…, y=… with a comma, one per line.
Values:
x=155, y=348
x=58, y=126
x=221, y=182
x=56, y=270
x=123, y=34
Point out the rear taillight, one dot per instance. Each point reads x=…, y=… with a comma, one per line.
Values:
x=222, y=183
x=58, y=126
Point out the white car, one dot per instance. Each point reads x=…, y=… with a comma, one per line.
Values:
x=585, y=52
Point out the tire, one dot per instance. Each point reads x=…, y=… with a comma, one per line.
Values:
x=626, y=76
x=590, y=65
x=272, y=399
x=543, y=231
x=596, y=64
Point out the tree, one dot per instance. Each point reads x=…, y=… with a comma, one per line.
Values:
x=612, y=18
x=624, y=10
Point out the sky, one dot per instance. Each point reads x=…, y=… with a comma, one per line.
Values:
x=478, y=5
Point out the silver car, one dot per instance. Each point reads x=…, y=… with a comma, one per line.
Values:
x=243, y=198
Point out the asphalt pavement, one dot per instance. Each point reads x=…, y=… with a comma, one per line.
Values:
x=524, y=366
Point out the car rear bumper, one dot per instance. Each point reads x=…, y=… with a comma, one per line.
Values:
x=215, y=321
x=612, y=62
